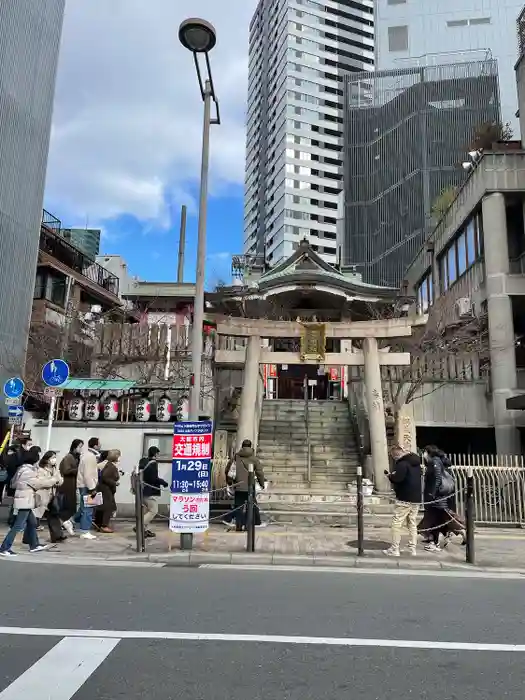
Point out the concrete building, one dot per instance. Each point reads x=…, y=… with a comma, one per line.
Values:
x=473, y=266
x=85, y=239
x=407, y=132
x=29, y=46
x=410, y=32
x=299, y=52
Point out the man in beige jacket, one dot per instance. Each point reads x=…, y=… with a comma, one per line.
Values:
x=87, y=480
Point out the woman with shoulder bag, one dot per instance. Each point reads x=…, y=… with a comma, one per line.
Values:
x=50, y=500
x=31, y=485
x=109, y=476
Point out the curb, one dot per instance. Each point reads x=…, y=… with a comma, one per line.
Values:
x=194, y=559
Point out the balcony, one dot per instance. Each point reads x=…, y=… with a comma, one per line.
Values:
x=57, y=252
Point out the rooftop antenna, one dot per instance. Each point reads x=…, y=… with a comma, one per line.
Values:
x=182, y=245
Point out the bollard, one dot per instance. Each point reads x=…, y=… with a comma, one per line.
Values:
x=470, y=516
x=250, y=519
x=139, y=513
x=360, y=511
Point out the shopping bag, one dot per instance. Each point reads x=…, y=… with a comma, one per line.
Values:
x=93, y=501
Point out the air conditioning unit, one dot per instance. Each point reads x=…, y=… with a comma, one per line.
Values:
x=464, y=307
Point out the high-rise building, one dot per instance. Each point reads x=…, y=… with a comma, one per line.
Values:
x=407, y=133
x=85, y=239
x=29, y=46
x=299, y=52
x=409, y=29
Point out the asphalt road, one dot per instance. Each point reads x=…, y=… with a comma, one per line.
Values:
x=113, y=633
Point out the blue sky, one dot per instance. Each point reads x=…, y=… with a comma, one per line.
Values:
x=127, y=129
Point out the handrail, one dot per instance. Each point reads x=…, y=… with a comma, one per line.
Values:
x=307, y=423
x=359, y=422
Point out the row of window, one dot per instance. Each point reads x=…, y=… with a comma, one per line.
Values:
x=462, y=252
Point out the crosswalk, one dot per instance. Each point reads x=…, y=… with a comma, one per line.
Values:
x=62, y=671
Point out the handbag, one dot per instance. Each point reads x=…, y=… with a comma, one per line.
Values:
x=56, y=504
x=448, y=485
x=93, y=501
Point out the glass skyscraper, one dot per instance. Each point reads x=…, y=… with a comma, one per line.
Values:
x=30, y=33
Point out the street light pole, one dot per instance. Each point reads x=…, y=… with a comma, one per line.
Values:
x=198, y=36
x=198, y=309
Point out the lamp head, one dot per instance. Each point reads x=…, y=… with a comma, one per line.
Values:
x=197, y=35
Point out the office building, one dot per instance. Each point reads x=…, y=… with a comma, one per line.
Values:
x=407, y=133
x=85, y=239
x=407, y=30
x=299, y=52
x=29, y=47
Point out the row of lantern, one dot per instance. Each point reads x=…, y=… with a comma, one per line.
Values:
x=92, y=408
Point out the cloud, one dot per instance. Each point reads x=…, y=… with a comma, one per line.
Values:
x=127, y=125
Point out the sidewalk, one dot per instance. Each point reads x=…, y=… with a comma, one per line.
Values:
x=496, y=549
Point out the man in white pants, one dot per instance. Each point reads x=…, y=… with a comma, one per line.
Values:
x=405, y=478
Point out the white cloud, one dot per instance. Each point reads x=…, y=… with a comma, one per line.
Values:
x=128, y=113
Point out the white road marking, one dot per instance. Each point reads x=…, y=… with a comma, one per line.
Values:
x=107, y=635
x=63, y=670
x=277, y=568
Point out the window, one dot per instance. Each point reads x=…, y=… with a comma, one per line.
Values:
x=425, y=293
x=480, y=20
x=396, y=2
x=463, y=251
x=398, y=38
x=457, y=23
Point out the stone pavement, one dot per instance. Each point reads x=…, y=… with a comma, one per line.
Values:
x=292, y=545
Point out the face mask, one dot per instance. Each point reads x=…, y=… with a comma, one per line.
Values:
x=53, y=460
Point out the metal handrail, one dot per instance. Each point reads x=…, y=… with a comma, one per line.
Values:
x=307, y=424
x=359, y=422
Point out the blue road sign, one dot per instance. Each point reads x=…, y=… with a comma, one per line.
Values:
x=13, y=388
x=15, y=411
x=55, y=373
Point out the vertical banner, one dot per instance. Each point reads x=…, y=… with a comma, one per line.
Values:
x=191, y=476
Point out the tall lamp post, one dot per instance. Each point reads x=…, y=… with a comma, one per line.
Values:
x=199, y=37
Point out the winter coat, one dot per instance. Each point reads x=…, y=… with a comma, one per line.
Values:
x=34, y=487
x=244, y=457
x=433, y=479
x=87, y=475
x=107, y=485
x=69, y=470
x=151, y=478
x=406, y=478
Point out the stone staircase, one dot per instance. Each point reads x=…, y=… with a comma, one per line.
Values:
x=330, y=497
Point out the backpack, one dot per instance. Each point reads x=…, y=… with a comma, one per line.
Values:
x=448, y=484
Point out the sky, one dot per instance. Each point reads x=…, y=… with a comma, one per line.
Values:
x=127, y=131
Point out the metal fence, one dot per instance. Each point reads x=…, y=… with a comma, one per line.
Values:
x=499, y=487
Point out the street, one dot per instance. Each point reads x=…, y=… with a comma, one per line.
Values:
x=123, y=632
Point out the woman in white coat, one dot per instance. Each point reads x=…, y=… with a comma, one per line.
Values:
x=47, y=498
x=32, y=486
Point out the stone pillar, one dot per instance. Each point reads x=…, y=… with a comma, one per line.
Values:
x=246, y=422
x=376, y=413
x=501, y=323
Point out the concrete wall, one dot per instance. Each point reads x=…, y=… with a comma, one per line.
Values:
x=132, y=440
x=459, y=405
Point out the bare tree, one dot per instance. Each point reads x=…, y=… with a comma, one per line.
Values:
x=490, y=133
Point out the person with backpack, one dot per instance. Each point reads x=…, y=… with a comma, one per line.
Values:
x=237, y=475
x=151, y=486
x=439, y=488
x=405, y=478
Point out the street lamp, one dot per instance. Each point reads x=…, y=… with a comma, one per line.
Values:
x=199, y=37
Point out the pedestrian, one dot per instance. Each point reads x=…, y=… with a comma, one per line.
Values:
x=30, y=487
x=455, y=524
x=68, y=489
x=405, y=478
x=14, y=459
x=48, y=499
x=152, y=484
x=87, y=480
x=240, y=466
x=107, y=485
x=439, y=486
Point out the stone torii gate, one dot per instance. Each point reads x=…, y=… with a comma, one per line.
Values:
x=255, y=330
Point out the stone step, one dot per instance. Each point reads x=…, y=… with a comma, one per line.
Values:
x=327, y=517
x=315, y=507
x=321, y=451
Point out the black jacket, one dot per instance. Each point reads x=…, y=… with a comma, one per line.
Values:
x=152, y=480
x=433, y=478
x=406, y=478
